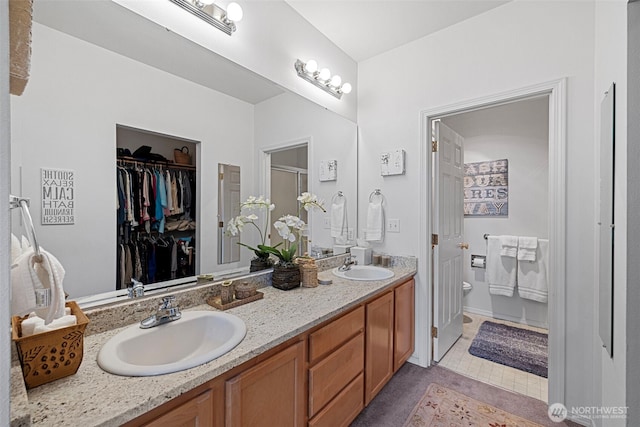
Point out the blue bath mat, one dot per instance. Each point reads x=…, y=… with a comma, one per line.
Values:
x=510, y=346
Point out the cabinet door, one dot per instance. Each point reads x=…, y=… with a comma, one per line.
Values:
x=379, y=345
x=404, y=323
x=197, y=412
x=269, y=394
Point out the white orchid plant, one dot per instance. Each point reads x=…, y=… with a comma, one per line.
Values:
x=236, y=225
x=289, y=227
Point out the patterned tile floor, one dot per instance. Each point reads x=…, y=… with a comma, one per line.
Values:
x=459, y=360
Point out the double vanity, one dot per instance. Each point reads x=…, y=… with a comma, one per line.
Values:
x=310, y=356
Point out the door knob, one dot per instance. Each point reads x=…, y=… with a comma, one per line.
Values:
x=463, y=245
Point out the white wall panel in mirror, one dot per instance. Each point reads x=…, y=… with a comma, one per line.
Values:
x=288, y=119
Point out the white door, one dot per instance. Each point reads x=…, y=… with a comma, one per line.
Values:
x=448, y=226
x=228, y=208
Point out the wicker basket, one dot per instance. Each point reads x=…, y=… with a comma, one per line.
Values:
x=309, y=272
x=182, y=156
x=285, y=277
x=49, y=356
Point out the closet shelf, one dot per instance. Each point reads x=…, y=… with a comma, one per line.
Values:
x=166, y=163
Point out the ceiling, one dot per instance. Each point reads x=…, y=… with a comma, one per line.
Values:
x=111, y=26
x=366, y=28
x=353, y=25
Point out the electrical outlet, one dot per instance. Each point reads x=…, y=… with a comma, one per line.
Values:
x=327, y=223
x=393, y=225
x=350, y=234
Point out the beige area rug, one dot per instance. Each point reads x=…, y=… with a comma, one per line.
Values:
x=443, y=407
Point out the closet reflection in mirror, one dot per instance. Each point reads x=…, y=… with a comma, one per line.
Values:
x=85, y=81
x=156, y=210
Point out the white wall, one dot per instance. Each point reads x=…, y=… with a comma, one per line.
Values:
x=287, y=118
x=269, y=39
x=5, y=183
x=67, y=119
x=610, y=66
x=633, y=224
x=519, y=133
x=513, y=46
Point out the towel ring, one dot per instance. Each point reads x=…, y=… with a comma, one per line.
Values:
x=375, y=193
x=339, y=195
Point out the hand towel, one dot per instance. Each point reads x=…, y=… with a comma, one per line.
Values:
x=509, y=246
x=16, y=248
x=501, y=270
x=527, y=248
x=29, y=274
x=533, y=280
x=374, y=230
x=62, y=322
x=338, y=220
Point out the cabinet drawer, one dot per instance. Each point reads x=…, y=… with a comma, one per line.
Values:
x=344, y=408
x=332, y=336
x=332, y=374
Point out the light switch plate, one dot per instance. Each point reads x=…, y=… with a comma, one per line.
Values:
x=393, y=225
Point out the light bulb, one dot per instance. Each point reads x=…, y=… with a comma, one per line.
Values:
x=234, y=12
x=346, y=88
x=311, y=66
x=336, y=81
x=325, y=74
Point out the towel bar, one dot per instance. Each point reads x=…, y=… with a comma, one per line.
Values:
x=43, y=296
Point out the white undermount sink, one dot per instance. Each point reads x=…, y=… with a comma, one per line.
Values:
x=198, y=337
x=364, y=272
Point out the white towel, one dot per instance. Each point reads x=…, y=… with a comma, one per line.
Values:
x=16, y=248
x=62, y=322
x=533, y=280
x=338, y=220
x=375, y=222
x=527, y=248
x=509, y=246
x=29, y=274
x=501, y=270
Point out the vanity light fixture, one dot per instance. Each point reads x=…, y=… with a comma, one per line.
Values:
x=224, y=20
x=321, y=78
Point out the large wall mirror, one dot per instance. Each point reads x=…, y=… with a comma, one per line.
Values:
x=97, y=67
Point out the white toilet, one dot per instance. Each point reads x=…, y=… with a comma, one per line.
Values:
x=466, y=288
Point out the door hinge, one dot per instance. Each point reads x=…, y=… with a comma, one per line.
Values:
x=221, y=224
x=434, y=332
x=434, y=146
x=220, y=176
x=434, y=239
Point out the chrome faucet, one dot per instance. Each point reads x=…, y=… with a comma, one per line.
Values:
x=136, y=289
x=348, y=262
x=166, y=313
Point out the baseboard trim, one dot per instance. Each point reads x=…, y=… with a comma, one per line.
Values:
x=514, y=319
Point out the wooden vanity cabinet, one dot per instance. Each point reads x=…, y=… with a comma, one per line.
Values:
x=196, y=412
x=336, y=381
x=379, y=345
x=323, y=377
x=390, y=333
x=404, y=323
x=269, y=394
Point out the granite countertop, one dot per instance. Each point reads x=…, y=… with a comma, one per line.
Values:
x=93, y=397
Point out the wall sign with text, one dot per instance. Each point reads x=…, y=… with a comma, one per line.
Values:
x=486, y=188
x=58, y=196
